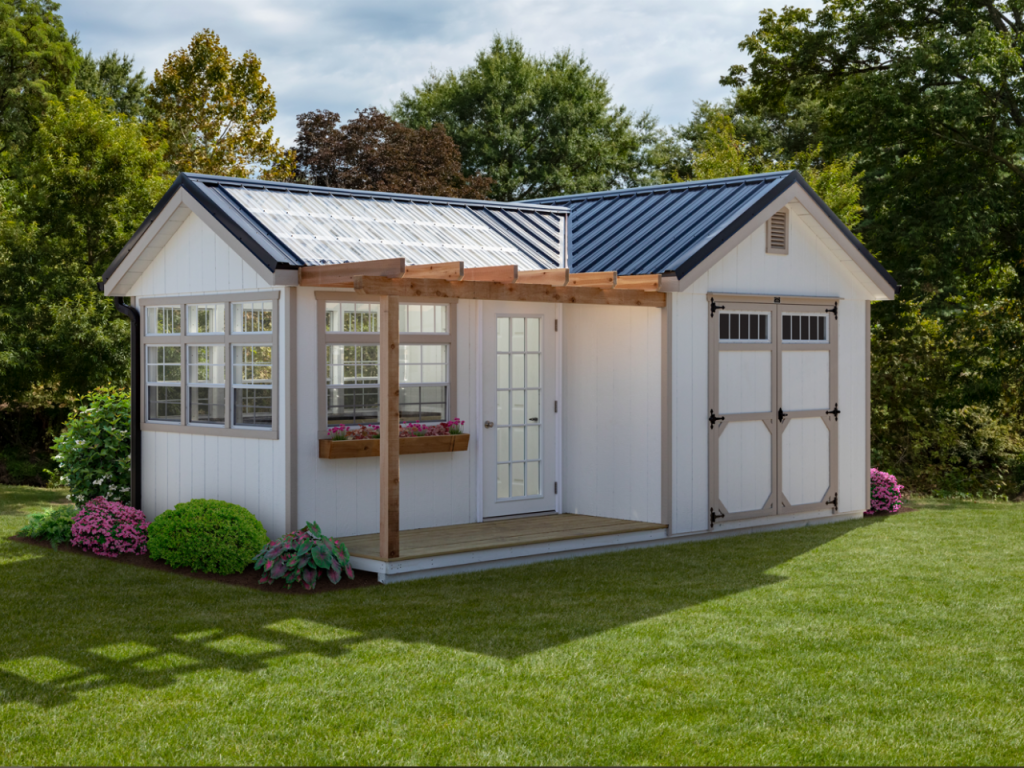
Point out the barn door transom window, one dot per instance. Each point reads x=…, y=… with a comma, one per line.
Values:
x=773, y=422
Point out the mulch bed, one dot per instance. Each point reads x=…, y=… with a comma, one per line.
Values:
x=249, y=578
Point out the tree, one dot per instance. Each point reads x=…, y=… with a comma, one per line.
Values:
x=74, y=198
x=377, y=153
x=113, y=77
x=213, y=111
x=537, y=126
x=37, y=64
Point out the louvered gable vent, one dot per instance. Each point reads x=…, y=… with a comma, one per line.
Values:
x=777, y=233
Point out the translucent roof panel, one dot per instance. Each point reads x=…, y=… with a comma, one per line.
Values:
x=331, y=228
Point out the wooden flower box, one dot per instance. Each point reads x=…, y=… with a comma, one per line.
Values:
x=352, y=449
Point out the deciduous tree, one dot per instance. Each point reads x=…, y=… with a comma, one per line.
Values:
x=375, y=152
x=214, y=111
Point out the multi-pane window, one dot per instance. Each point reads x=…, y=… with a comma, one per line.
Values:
x=163, y=321
x=519, y=413
x=252, y=384
x=805, y=327
x=163, y=382
x=205, y=318
x=212, y=364
x=207, y=396
x=744, y=326
x=252, y=316
x=352, y=359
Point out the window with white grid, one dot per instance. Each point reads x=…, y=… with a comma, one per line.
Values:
x=207, y=395
x=163, y=383
x=252, y=384
x=252, y=316
x=163, y=321
x=805, y=327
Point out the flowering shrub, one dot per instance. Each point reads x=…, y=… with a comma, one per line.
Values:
x=886, y=493
x=93, y=453
x=302, y=556
x=208, y=536
x=109, y=528
x=52, y=525
x=372, y=431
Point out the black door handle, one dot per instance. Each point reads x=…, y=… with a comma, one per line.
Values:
x=782, y=416
x=714, y=418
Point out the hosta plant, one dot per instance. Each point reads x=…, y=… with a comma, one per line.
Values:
x=302, y=556
x=886, y=493
x=109, y=528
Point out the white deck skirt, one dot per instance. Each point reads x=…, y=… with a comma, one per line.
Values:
x=506, y=557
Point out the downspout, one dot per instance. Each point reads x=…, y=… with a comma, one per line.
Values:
x=136, y=399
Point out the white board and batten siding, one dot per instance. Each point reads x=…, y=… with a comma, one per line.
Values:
x=612, y=420
x=178, y=467
x=343, y=495
x=810, y=269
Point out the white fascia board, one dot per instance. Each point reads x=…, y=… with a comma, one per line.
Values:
x=163, y=228
x=845, y=251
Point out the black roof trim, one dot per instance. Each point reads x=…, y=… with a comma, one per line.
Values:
x=141, y=230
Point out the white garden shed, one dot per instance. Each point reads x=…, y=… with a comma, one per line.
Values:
x=633, y=368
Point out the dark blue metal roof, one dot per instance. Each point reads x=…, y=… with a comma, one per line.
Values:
x=672, y=228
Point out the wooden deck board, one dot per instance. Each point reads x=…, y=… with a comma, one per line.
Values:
x=493, y=534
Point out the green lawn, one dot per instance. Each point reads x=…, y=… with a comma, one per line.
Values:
x=889, y=641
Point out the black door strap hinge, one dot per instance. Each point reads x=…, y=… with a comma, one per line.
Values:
x=714, y=418
x=834, y=502
x=834, y=310
x=834, y=413
x=714, y=306
x=782, y=416
x=715, y=516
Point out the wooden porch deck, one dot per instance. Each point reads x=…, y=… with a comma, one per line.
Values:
x=494, y=534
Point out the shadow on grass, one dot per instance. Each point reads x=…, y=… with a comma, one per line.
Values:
x=85, y=624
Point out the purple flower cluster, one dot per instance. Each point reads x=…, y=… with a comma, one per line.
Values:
x=109, y=528
x=372, y=431
x=886, y=493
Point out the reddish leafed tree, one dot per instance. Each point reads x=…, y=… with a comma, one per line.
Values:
x=376, y=153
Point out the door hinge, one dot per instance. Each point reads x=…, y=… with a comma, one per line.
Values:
x=833, y=502
x=556, y=325
x=715, y=306
x=556, y=487
x=782, y=416
x=714, y=418
x=834, y=310
x=715, y=516
x=834, y=413
x=556, y=406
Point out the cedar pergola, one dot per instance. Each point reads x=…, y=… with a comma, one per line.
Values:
x=392, y=280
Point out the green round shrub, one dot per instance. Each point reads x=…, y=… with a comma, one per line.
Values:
x=208, y=536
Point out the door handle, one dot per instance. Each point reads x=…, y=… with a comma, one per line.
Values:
x=534, y=418
x=782, y=416
x=488, y=424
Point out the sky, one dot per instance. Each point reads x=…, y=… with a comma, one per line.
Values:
x=341, y=55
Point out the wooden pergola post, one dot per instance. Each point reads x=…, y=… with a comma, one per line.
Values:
x=389, y=427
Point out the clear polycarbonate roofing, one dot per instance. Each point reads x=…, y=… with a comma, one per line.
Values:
x=334, y=228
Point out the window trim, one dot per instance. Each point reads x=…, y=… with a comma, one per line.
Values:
x=323, y=338
x=184, y=340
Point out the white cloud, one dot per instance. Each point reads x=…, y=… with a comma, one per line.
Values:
x=344, y=55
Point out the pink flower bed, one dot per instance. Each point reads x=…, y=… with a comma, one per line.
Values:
x=109, y=528
x=886, y=494
x=372, y=431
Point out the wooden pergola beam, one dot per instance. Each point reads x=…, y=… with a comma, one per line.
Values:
x=389, y=426
x=593, y=279
x=467, y=289
x=341, y=274
x=543, y=277
x=507, y=273
x=447, y=270
x=638, y=282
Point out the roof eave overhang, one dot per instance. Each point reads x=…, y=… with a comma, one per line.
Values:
x=188, y=197
x=792, y=188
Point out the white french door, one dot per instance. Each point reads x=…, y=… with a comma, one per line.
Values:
x=773, y=432
x=518, y=409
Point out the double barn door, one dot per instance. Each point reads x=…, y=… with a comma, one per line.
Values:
x=773, y=425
